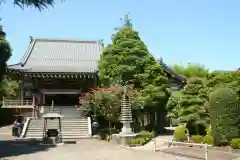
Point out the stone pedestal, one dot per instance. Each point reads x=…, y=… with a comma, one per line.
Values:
x=51, y=141
x=123, y=139
x=126, y=129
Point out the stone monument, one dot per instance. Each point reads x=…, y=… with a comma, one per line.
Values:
x=126, y=119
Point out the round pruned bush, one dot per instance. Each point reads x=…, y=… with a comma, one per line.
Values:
x=235, y=143
x=224, y=115
x=207, y=140
x=180, y=133
x=137, y=141
x=196, y=139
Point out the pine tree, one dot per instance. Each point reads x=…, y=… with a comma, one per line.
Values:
x=128, y=60
x=39, y=4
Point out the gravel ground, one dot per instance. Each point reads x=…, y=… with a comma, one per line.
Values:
x=86, y=149
x=199, y=153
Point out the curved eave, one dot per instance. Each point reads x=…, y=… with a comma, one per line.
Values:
x=168, y=70
x=58, y=75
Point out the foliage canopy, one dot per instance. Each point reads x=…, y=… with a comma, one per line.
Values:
x=224, y=112
x=127, y=59
x=39, y=4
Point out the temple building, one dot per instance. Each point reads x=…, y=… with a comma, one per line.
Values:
x=56, y=71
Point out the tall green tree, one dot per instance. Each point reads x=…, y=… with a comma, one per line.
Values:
x=189, y=106
x=5, y=53
x=39, y=4
x=127, y=59
x=5, y=49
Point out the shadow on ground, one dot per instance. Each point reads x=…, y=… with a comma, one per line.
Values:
x=11, y=148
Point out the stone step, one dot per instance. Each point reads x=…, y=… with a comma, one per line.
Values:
x=66, y=122
x=63, y=129
x=63, y=133
x=56, y=127
x=72, y=128
x=62, y=124
x=65, y=138
x=67, y=127
x=63, y=120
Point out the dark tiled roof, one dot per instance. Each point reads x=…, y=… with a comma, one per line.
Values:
x=60, y=55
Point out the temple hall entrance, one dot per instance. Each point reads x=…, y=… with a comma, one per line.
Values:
x=61, y=99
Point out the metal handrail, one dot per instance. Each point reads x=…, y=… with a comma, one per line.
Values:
x=206, y=146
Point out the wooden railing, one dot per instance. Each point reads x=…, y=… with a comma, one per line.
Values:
x=6, y=103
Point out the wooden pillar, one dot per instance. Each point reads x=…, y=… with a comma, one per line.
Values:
x=95, y=81
x=21, y=89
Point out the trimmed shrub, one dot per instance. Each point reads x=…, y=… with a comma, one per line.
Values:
x=180, y=133
x=207, y=140
x=196, y=139
x=235, y=143
x=137, y=141
x=147, y=135
x=224, y=115
x=143, y=138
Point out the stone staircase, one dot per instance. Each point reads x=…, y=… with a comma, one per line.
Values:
x=71, y=128
x=73, y=125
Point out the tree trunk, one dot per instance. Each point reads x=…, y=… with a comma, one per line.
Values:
x=109, y=130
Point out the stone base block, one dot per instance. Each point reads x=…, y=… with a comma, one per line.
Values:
x=122, y=139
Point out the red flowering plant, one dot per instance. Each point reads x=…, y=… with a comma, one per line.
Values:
x=106, y=101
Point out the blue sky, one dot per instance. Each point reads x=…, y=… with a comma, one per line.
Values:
x=180, y=31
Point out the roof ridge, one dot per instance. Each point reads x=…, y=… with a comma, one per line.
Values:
x=28, y=52
x=70, y=59
x=66, y=40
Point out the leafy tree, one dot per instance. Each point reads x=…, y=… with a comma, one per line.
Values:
x=224, y=113
x=189, y=106
x=173, y=106
x=227, y=79
x=9, y=87
x=5, y=54
x=5, y=49
x=106, y=102
x=39, y=4
x=192, y=70
x=127, y=59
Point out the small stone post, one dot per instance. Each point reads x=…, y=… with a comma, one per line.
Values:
x=52, y=106
x=206, y=152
